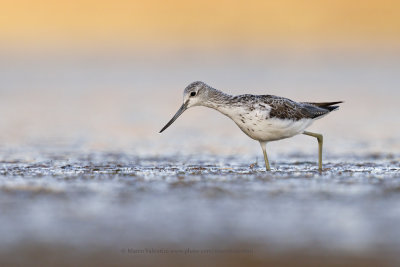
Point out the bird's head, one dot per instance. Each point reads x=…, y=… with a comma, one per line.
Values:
x=195, y=94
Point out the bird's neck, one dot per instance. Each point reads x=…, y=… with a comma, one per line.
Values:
x=219, y=100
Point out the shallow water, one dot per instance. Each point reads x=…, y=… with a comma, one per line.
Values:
x=118, y=202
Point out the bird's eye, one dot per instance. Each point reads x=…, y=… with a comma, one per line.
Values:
x=192, y=93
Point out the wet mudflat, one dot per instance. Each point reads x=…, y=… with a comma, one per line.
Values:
x=98, y=207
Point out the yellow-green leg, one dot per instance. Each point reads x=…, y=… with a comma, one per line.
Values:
x=320, y=139
x=263, y=146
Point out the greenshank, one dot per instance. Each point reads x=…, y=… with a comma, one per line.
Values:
x=263, y=118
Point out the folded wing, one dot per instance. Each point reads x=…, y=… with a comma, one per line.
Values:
x=284, y=108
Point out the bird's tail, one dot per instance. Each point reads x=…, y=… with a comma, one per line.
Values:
x=327, y=105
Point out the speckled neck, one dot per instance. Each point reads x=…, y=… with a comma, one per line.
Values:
x=217, y=100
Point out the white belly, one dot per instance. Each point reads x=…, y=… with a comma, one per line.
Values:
x=272, y=129
x=256, y=126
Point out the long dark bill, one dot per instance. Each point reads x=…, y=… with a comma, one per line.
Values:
x=178, y=113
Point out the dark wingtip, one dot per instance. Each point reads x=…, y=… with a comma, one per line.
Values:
x=335, y=103
x=327, y=105
x=332, y=108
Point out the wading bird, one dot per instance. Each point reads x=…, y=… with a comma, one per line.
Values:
x=263, y=118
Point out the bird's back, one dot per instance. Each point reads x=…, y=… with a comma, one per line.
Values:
x=284, y=108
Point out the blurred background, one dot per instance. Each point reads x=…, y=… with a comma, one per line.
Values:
x=107, y=75
x=85, y=87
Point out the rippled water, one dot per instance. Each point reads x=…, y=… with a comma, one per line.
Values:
x=119, y=201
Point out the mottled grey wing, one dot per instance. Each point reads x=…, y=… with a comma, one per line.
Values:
x=284, y=108
x=313, y=111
